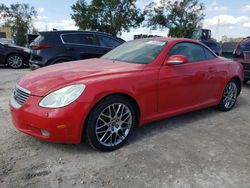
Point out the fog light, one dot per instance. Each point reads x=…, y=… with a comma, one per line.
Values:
x=44, y=132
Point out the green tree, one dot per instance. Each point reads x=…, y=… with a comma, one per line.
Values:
x=109, y=16
x=18, y=17
x=180, y=17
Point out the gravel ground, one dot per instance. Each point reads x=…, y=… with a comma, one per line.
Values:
x=206, y=148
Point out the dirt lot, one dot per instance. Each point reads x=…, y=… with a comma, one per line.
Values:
x=206, y=148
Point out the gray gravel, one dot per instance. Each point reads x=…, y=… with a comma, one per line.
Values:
x=206, y=148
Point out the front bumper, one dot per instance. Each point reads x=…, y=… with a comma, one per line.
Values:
x=34, y=66
x=64, y=125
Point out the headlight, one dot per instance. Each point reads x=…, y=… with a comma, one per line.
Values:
x=62, y=97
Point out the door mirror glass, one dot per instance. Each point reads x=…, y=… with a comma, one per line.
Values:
x=176, y=60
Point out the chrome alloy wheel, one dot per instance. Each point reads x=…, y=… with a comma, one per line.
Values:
x=230, y=95
x=15, y=61
x=113, y=124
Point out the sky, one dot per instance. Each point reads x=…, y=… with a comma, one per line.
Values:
x=229, y=18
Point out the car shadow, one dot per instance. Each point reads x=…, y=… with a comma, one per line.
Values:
x=176, y=122
x=247, y=85
x=6, y=67
x=147, y=130
x=168, y=124
x=143, y=132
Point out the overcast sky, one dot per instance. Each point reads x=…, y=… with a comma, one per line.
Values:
x=223, y=17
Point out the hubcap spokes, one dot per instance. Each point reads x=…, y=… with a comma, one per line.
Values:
x=113, y=124
x=15, y=61
x=230, y=95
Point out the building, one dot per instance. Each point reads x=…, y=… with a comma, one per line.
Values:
x=5, y=32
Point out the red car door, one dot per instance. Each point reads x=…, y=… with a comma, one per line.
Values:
x=187, y=85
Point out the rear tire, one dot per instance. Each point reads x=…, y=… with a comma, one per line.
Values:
x=245, y=81
x=229, y=97
x=15, y=61
x=110, y=123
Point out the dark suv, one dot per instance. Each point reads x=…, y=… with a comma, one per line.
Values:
x=60, y=46
x=242, y=55
x=215, y=46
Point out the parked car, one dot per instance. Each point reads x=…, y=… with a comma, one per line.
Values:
x=13, y=56
x=228, y=48
x=60, y=46
x=6, y=41
x=242, y=55
x=213, y=45
x=140, y=81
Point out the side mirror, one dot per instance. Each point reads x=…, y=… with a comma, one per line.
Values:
x=176, y=60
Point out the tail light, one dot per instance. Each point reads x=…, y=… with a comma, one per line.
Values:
x=40, y=47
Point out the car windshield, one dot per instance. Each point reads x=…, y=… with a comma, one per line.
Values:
x=137, y=51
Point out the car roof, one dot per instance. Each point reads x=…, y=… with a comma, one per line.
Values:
x=72, y=31
x=59, y=32
x=176, y=40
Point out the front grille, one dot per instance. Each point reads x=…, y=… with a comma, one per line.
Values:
x=21, y=95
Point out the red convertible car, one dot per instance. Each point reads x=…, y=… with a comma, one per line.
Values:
x=138, y=82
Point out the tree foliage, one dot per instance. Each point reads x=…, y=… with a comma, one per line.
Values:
x=109, y=16
x=18, y=17
x=181, y=17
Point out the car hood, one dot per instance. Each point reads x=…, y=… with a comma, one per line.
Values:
x=17, y=47
x=44, y=80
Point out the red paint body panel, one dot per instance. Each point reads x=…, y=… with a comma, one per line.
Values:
x=31, y=118
x=159, y=90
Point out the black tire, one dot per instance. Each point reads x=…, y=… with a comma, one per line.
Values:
x=108, y=133
x=229, y=96
x=15, y=61
x=245, y=81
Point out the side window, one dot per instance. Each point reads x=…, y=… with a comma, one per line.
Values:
x=245, y=45
x=209, y=55
x=193, y=52
x=108, y=42
x=68, y=38
x=84, y=39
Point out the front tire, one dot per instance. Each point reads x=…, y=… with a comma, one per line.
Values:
x=15, y=61
x=110, y=123
x=229, y=97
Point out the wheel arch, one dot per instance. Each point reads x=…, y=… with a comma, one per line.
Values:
x=238, y=82
x=133, y=101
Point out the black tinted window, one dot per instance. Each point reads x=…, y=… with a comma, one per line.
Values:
x=84, y=39
x=38, y=39
x=245, y=45
x=108, y=42
x=192, y=51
